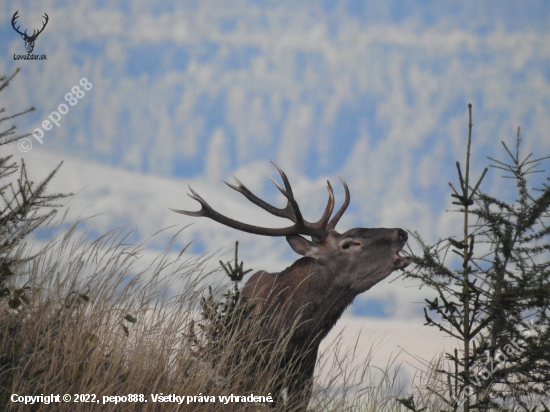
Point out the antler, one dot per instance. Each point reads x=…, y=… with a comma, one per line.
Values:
x=34, y=33
x=15, y=16
x=318, y=230
x=43, y=26
x=336, y=218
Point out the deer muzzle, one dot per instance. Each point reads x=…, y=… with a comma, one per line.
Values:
x=401, y=262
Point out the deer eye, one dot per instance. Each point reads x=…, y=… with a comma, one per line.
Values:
x=346, y=245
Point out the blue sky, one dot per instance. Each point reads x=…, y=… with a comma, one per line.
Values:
x=195, y=91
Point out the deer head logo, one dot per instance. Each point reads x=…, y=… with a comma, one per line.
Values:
x=29, y=40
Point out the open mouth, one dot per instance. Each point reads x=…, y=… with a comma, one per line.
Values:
x=401, y=262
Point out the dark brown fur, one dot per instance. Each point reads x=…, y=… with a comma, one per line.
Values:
x=310, y=296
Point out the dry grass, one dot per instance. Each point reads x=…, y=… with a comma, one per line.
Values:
x=72, y=337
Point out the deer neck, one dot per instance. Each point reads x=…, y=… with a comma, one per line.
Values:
x=319, y=297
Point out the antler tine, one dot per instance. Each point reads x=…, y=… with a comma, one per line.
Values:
x=204, y=206
x=298, y=218
x=334, y=221
x=188, y=213
x=285, y=179
x=285, y=213
x=328, y=209
x=292, y=205
x=197, y=197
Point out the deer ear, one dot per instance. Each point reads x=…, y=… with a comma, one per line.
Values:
x=302, y=246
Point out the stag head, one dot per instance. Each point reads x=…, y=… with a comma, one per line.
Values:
x=29, y=40
x=359, y=258
x=343, y=254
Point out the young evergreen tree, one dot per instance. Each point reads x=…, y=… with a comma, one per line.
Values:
x=220, y=319
x=24, y=205
x=496, y=304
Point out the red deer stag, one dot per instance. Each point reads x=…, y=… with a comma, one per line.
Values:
x=317, y=288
